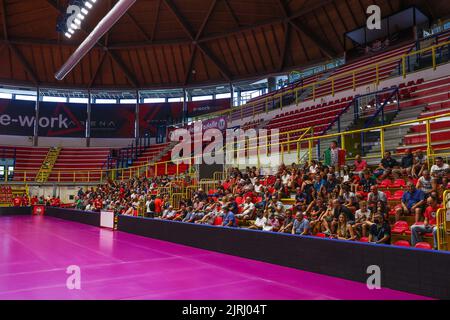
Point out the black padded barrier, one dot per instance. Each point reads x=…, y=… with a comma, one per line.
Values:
x=90, y=218
x=15, y=211
x=418, y=271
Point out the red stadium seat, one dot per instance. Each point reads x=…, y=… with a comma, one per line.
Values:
x=400, y=227
x=386, y=183
x=398, y=195
x=320, y=235
x=364, y=239
x=423, y=245
x=399, y=183
x=402, y=243
x=218, y=221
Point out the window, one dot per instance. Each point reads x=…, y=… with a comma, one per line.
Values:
x=5, y=95
x=180, y=99
x=106, y=101
x=54, y=99
x=223, y=96
x=202, y=98
x=26, y=98
x=155, y=100
x=79, y=100
x=128, y=101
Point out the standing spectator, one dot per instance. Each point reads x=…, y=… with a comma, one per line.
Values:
x=429, y=224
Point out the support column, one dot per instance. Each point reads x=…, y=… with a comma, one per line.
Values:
x=88, y=121
x=36, y=117
x=184, y=113
x=136, y=118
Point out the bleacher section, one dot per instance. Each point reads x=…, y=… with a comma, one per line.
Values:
x=73, y=163
x=434, y=94
x=28, y=161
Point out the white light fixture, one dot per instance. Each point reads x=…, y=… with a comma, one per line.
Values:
x=88, y=5
x=68, y=35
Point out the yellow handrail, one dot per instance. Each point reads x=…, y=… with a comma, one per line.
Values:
x=441, y=223
x=89, y=176
x=332, y=79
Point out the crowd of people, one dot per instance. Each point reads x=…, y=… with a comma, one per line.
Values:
x=344, y=203
x=341, y=202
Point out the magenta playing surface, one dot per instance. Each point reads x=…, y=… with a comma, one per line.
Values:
x=35, y=252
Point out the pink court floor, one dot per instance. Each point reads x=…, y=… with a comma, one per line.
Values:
x=36, y=251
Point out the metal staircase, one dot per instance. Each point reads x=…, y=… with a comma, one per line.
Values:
x=48, y=164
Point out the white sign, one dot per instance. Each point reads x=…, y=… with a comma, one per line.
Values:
x=107, y=219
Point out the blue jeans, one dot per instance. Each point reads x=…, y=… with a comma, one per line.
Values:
x=418, y=231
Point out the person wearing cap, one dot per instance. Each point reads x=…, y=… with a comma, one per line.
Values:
x=300, y=225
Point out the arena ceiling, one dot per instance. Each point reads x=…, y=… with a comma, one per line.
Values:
x=182, y=43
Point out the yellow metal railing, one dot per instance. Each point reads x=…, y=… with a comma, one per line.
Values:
x=441, y=223
x=309, y=143
x=358, y=77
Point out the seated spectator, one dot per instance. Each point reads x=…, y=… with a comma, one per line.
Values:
x=260, y=221
x=429, y=224
x=230, y=219
x=348, y=197
x=413, y=201
x=425, y=182
x=248, y=209
x=288, y=222
x=300, y=225
x=366, y=182
x=386, y=165
x=339, y=209
x=168, y=214
x=420, y=164
x=344, y=231
x=438, y=171
x=374, y=196
x=380, y=231
x=275, y=206
x=362, y=215
x=407, y=162
x=359, y=165
x=272, y=224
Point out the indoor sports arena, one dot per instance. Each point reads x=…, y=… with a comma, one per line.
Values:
x=224, y=150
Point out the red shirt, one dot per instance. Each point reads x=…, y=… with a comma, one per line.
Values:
x=430, y=214
x=25, y=201
x=56, y=202
x=98, y=203
x=34, y=201
x=17, y=201
x=158, y=205
x=360, y=166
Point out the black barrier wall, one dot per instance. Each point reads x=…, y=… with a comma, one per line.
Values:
x=90, y=218
x=422, y=272
x=15, y=211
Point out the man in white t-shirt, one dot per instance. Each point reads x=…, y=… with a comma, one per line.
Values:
x=438, y=171
x=248, y=208
x=425, y=182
